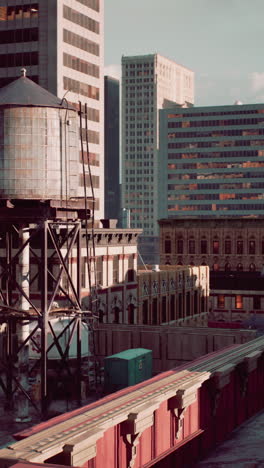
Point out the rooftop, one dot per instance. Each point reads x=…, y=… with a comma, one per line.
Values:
x=24, y=92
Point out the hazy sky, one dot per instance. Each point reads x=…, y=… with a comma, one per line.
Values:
x=222, y=41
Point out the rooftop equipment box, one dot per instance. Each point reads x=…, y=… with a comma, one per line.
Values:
x=127, y=368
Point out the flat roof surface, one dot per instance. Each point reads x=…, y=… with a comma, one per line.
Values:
x=130, y=353
x=243, y=449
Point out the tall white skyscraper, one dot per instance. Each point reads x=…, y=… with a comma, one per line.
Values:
x=61, y=44
x=149, y=83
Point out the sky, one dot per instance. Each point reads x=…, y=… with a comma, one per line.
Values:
x=222, y=41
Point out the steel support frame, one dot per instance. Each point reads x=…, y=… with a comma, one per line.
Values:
x=56, y=240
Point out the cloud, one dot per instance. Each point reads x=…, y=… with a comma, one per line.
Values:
x=257, y=82
x=113, y=70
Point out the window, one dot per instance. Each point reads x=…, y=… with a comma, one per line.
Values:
x=84, y=272
x=172, y=307
x=191, y=246
x=216, y=247
x=130, y=271
x=256, y=302
x=164, y=309
x=115, y=269
x=228, y=249
x=215, y=266
x=116, y=312
x=239, y=267
x=239, y=301
x=239, y=247
x=252, y=267
x=188, y=304
x=145, y=312
x=154, y=311
x=221, y=301
x=227, y=267
x=203, y=246
x=180, y=246
x=167, y=246
x=180, y=306
x=252, y=247
x=99, y=270
x=131, y=314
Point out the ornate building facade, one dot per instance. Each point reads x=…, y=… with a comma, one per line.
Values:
x=233, y=249
x=173, y=295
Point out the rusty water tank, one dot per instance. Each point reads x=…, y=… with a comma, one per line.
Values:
x=39, y=149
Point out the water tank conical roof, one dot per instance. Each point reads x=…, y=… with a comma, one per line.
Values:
x=24, y=92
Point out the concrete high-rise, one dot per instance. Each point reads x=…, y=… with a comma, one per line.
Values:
x=149, y=83
x=60, y=43
x=112, y=165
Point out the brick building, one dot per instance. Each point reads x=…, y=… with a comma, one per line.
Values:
x=233, y=249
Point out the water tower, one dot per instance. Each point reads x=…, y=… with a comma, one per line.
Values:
x=40, y=231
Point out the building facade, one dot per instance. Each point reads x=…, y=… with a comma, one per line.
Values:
x=61, y=44
x=149, y=83
x=112, y=164
x=175, y=295
x=108, y=283
x=233, y=248
x=212, y=161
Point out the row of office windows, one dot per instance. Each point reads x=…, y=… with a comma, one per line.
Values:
x=221, y=302
x=81, y=42
x=140, y=65
x=93, y=136
x=92, y=114
x=218, y=196
x=211, y=114
x=243, y=207
x=94, y=158
x=213, y=144
x=80, y=65
x=19, y=12
x=90, y=180
x=19, y=59
x=216, y=154
x=12, y=36
x=220, y=186
x=80, y=19
x=219, y=175
x=214, y=165
x=81, y=88
x=217, y=123
x=93, y=4
x=216, y=133
x=215, y=247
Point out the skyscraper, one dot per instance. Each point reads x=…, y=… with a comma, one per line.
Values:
x=149, y=83
x=212, y=161
x=60, y=43
x=112, y=186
